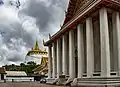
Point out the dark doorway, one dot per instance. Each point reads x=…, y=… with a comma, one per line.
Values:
x=2, y=77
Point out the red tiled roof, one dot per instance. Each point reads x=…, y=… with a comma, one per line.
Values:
x=70, y=10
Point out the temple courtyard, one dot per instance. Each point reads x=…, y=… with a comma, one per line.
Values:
x=26, y=84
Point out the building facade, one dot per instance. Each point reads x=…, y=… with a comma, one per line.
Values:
x=86, y=50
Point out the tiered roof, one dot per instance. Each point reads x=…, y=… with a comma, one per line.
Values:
x=36, y=50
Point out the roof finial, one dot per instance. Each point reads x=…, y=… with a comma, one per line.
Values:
x=60, y=26
x=65, y=12
x=49, y=36
x=43, y=41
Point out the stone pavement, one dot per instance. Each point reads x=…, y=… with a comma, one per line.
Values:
x=26, y=84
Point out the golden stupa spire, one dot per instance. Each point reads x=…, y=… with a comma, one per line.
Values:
x=36, y=50
x=36, y=47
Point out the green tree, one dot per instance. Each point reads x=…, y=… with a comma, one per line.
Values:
x=22, y=67
x=22, y=64
x=31, y=63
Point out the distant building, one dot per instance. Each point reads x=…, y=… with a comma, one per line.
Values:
x=39, y=57
x=18, y=76
x=2, y=73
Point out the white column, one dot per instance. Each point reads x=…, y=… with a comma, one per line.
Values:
x=59, y=58
x=116, y=42
x=54, y=61
x=104, y=39
x=65, y=55
x=80, y=43
x=90, y=47
x=71, y=54
x=49, y=62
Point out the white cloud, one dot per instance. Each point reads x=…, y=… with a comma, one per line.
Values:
x=19, y=28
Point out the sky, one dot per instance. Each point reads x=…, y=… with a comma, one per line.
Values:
x=21, y=27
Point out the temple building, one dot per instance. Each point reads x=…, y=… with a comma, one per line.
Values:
x=36, y=54
x=43, y=68
x=86, y=50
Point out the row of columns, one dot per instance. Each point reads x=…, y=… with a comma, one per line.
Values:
x=62, y=59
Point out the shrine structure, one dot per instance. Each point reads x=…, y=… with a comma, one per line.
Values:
x=36, y=54
x=42, y=69
x=86, y=50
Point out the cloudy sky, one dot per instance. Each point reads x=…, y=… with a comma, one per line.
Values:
x=20, y=27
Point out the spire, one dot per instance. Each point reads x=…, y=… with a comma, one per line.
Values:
x=36, y=47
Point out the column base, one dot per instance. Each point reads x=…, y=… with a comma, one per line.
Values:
x=67, y=77
x=69, y=81
x=97, y=82
x=62, y=79
x=57, y=81
x=51, y=80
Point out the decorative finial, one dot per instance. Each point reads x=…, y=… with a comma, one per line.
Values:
x=60, y=26
x=49, y=36
x=43, y=41
x=65, y=12
x=36, y=47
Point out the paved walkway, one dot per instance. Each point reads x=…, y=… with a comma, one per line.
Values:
x=26, y=84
